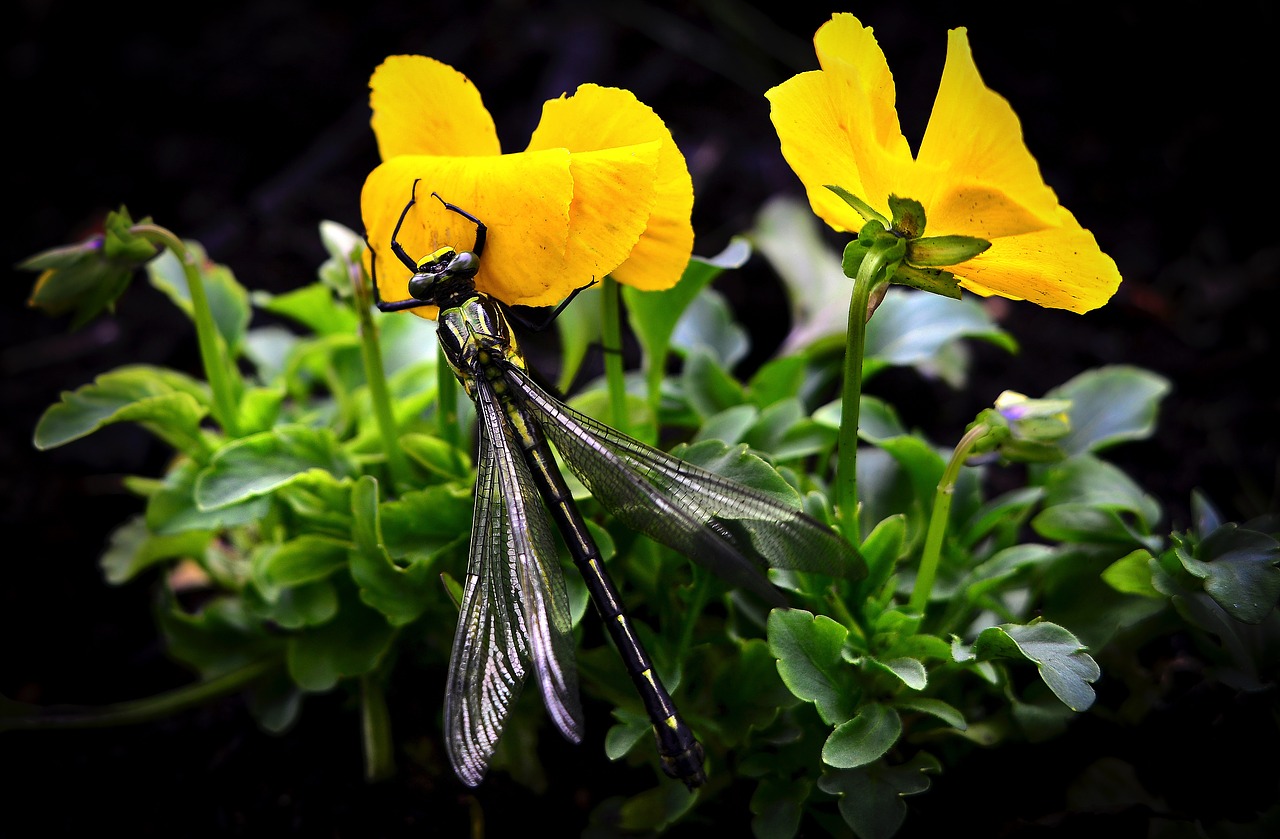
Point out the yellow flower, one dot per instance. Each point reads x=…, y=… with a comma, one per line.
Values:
x=601, y=188
x=973, y=175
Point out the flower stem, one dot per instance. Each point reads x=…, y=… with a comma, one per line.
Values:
x=221, y=374
x=611, y=337
x=942, y=496
x=870, y=276
x=155, y=707
x=375, y=375
x=375, y=726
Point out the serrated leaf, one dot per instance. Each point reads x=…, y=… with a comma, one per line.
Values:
x=350, y=645
x=1239, y=571
x=912, y=328
x=263, y=463
x=871, y=796
x=863, y=739
x=933, y=707
x=1060, y=657
x=306, y=559
x=400, y=594
x=809, y=661
x=1110, y=405
x=133, y=548
x=164, y=402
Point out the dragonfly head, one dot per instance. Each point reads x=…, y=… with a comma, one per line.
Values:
x=438, y=268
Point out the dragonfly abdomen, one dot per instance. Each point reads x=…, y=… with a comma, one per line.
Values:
x=679, y=750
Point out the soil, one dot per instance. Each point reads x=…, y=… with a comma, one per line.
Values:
x=244, y=125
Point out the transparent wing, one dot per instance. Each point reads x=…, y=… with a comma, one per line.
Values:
x=515, y=610
x=733, y=529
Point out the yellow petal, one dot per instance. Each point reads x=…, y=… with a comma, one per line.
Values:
x=523, y=199
x=840, y=126
x=613, y=197
x=816, y=146
x=1058, y=268
x=599, y=118
x=555, y=221
x=973, y=146
x=422, y=106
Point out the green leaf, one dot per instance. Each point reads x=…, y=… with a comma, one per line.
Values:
x=423, y=522
x=301, y=606
x=162, y=401
x=809, y=661
x=352, y=644
x=787, y=233
x=133, y=548
x=708, y=387
x=263, y=463
x=912, y=328
x=708, y=326
x=312, y=306
x=654, y=315
x=882, y=549
x=863, y=739
x=1061, y=659
x=656, y=809
x=909, y=671
x=728, y=426
x=306, y=559
x=1239, y=571
x=437, y=456
x=172, y=508
x=933, y=707
x=1086, y=480
x=221, y=637
x=259, y=408
x=738, y=464
x=399, y=593
x=1085, y=523
x=777, y=380
x=871, y=796
x=1131, y=574
x=1110, y=405
x=777, y=807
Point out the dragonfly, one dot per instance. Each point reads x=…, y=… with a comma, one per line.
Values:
x=514, y=617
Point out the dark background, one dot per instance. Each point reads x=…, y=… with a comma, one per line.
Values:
x=243, y=125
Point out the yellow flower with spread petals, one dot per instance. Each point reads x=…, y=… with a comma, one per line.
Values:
x=602, y=188
x=973, y=174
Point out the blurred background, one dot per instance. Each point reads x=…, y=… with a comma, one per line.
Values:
x=244, y=125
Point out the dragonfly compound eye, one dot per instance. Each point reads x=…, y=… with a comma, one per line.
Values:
x=421, y=286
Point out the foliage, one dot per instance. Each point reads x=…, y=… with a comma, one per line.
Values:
x=292, y=554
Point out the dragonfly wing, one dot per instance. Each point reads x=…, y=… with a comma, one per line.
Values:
x=515, y=610
x=735, y=530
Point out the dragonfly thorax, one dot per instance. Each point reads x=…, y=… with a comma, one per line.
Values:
x=474, y=336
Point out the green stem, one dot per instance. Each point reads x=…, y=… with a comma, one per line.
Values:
x=611, y=336
x=375, y=726
x=942, y=496
x=846, y=485
x=156, y=707
x=223, y=378
x=375, y=375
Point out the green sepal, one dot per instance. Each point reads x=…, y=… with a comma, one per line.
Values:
x=939, y=251
x=932, y=280
x=864, y=209
x=908, y=216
